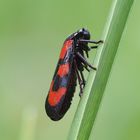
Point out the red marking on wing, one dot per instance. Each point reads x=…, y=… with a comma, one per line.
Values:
x=65, y=47
x=55, y=96
x=63, y=69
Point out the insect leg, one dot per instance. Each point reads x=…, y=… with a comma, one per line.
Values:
x=83, y=78
x=85, y=66
x=93, y=47
x=84, y=60
x=80, y=79
x=90, y=41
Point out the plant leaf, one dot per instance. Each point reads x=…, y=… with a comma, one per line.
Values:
x=94, y=89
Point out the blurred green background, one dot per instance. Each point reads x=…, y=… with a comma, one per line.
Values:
x=31, y=36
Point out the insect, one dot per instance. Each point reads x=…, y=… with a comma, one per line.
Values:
x=70, y=67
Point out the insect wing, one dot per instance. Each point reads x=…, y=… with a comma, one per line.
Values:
x=60, y=82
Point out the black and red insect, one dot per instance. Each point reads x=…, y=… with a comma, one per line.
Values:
x=70, y=67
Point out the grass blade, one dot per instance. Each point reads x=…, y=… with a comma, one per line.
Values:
x=28, y=124
x=89, y=104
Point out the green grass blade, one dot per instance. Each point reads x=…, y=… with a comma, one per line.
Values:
x=28, y=124
x=90, y=101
